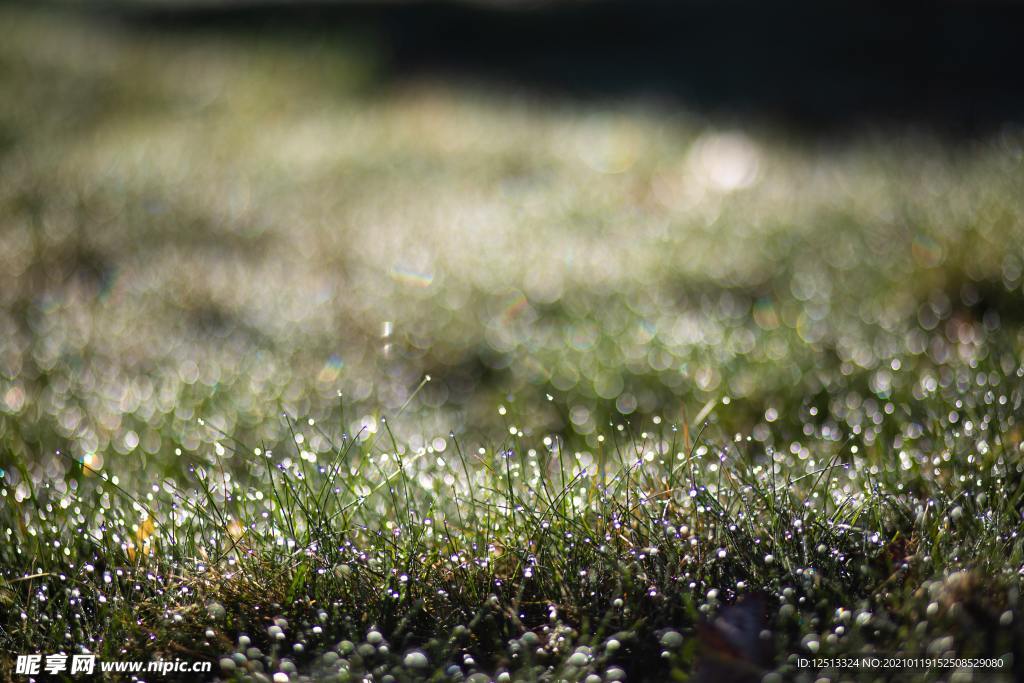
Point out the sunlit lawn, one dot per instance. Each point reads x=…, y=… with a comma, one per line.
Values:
x=466, y=384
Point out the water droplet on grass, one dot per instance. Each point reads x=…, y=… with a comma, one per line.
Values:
x=416, y=660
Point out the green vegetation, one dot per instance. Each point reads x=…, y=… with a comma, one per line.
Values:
x=315, y=376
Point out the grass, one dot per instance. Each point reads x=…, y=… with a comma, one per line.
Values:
x=309, y=372
x=529, y=557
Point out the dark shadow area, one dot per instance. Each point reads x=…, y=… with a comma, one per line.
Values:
x=949, y=67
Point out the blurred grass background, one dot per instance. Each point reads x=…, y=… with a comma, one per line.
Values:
x=228, y=210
